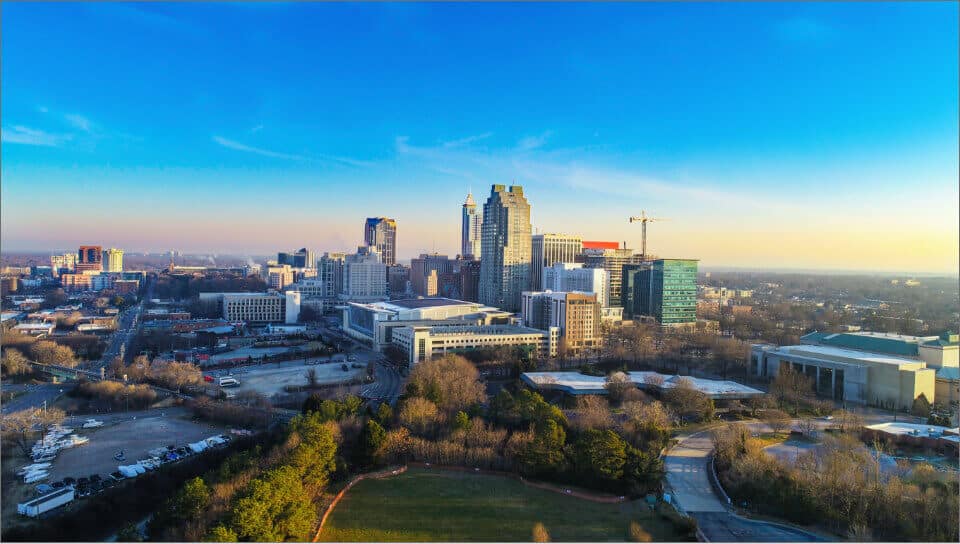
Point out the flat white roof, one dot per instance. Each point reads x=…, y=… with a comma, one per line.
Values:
x=890, y=335
x=864, y=356
x=578, y=383
x=913, y=429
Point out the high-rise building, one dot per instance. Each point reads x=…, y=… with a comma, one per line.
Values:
x=398, y=278
x=381, y=232
x=331, y=273
x=576, y=314
x=574, y=277
x=364, y=276
x=425, y=266
x=505, y=265
x=89, y=259
x=113, y=260
x=65, y=263
x=302, y=258
x=471, y=227
x=631, y=272
x=665, y=289
x=547, y=249
x=611, y=260
x=469, y=271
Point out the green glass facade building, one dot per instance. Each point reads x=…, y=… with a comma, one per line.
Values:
x=665, y=289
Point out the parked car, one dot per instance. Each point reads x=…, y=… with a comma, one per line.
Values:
x=117, y=476
x=69, y=481
x=344, y=367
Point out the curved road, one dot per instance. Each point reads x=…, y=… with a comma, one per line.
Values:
x=686, y=465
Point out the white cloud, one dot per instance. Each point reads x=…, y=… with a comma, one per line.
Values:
x=467, y=140
x=19, y=134
x=534, y=142
x=231, y=144
x=79, y=122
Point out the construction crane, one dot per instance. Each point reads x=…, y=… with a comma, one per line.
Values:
x=643, y=220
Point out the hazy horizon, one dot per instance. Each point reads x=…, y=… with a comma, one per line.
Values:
x=772, y=136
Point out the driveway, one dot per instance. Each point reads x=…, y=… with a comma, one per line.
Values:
x=686, y=466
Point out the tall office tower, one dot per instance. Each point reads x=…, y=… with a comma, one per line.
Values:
x=666, y=289
x=631, y=275
x=548, y=249
x=470, y=280
x=364, y=276
x=63, y=263
x=113, y=260
x=398, y=278
x=574, y=277
x=505, y=246
x=331, y=273
x=421, y=269
x=89, y=259
x=301, y=258
x=611, y=260
x=471, y=229
x=381, y=232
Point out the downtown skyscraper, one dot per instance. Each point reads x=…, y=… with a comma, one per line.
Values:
x=381, y=233
x=549, y=249
x=505, y=247
x=471, y=229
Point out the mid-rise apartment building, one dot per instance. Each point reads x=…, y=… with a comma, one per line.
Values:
x=113, y=260
x=270, y=307
x=575, y=277
x=576, y=314
x=89, y=259
x=364, y=276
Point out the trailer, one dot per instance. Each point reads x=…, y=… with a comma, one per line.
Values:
x=46, y=502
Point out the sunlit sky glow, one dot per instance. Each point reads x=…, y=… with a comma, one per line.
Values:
x=771, y=135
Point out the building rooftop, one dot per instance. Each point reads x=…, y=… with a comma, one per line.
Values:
x=913, y=429
x=948, y=373
x=864, y=356
x=879, y=342
x=427, y=302
x=582, y=384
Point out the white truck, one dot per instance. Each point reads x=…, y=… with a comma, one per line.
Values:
x=46, y=502
x=228, y=381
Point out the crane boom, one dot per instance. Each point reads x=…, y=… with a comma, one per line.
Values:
x=643, y=219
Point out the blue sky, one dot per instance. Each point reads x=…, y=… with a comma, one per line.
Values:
x=808, y=135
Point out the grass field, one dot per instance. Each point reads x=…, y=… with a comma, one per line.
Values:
x=425, y=505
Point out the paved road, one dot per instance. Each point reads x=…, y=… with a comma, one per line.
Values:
x=687, y=465
x=386, y=388
x=33, y=396
x=126, y=330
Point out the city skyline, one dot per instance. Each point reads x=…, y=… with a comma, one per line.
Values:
x=841, y=155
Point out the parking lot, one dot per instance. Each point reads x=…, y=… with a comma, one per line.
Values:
x=271, y=378
x=135, y=436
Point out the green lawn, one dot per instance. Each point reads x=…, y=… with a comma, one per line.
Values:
x=426, y=505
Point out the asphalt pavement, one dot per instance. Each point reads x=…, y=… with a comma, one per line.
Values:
x=687, y=466
x=33, y=396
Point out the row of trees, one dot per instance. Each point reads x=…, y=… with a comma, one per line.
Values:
x=259, y=495
x=169, y=374
x=647, y=345
x=840, y=485
x=442, y=420
x=118, y=395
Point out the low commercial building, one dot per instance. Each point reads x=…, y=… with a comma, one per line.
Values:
x=574, y=383
x=422, y=343
x=375, y=322
x=849, y=375
x=270, y=307
x=932, y=437
x=36, y=329
x=940, y=353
